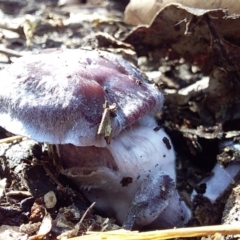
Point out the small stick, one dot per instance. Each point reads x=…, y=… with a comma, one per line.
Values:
x=76, y=229
x=52, y=176
x=19, y=193
x=105, y=126
x=11, y=139
x=10, y=52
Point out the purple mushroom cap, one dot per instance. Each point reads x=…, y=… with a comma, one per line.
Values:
x=75, y=99
x=58, y=97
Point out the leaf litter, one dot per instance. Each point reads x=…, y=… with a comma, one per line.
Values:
x=193, y=50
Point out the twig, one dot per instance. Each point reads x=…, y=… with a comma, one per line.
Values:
x=77, y=227
x=11, y=139
x=105, y=126
x=52, y=176
x=10, y=52
x=19, y=193
x=74, y=232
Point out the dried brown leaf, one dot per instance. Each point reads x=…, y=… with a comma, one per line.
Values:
x=142, y=12
x=182, y=32
x=44, y=228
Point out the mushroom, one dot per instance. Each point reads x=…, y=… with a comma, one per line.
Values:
x=98, y=109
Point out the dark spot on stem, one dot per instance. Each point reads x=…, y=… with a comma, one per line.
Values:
x=167, y=143
x=156, y=129
x=126, y=181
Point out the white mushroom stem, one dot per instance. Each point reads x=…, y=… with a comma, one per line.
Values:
x=136, y=168
x=220, y=181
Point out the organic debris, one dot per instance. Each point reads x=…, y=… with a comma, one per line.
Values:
x=190, y=49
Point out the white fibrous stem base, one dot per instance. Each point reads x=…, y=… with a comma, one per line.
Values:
x=111, y=176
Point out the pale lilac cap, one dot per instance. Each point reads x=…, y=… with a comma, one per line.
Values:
x=58, y=97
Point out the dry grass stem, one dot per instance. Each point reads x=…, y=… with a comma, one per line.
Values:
x=162, y=234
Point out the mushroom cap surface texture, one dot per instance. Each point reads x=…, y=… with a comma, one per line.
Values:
x=57, y=97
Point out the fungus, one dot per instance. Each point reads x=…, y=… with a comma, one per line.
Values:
x=98, y=109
